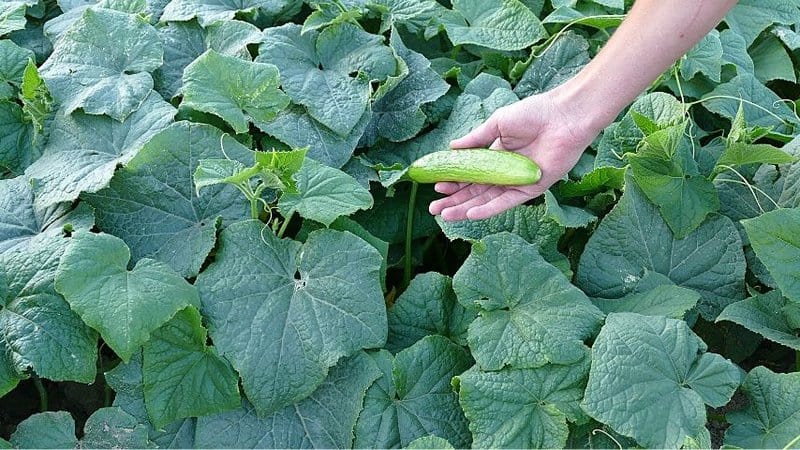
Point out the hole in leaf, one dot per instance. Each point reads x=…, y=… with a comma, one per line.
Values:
x=299, y=282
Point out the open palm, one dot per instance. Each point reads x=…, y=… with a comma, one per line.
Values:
x=537, y=127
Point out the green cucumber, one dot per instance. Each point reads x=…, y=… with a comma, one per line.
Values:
x=475, y=165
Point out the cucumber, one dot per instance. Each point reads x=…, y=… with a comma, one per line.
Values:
x=475, y=165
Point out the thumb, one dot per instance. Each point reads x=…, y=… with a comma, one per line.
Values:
x=483, y=136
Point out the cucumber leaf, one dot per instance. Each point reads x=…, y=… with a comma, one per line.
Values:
x=529, y=313
x=773, y=416
x=324, y=419
x=124, y=306
x=90, y=71
x=280, y=289
x=666, y=365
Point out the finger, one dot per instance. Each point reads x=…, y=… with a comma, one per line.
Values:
x=465, y=194
x=447, y=187
x=507, y=200
x=459, y=211
x=482, y=136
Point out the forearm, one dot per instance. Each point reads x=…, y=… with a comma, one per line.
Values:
x=652, y=37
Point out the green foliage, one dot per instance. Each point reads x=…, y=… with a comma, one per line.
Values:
x=204, y=216
x=643, y=365
x=773, y=416
x=124, y=306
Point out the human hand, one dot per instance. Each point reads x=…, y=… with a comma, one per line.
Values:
x=551, y=131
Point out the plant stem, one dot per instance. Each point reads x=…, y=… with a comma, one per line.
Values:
x=101, y=369
x=285, y=223
x=254, y=208
x=106, y=395
x=412, y=200
x=42, y=393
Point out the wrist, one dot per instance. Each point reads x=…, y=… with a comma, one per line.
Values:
x=587, y=103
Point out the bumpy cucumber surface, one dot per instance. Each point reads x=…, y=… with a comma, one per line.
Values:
x=476, y=165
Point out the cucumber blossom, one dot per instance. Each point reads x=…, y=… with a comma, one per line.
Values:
x=477, y=165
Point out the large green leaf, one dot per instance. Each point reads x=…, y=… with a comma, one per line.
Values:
x=324, y=193
x=497, y=24
x=633, y=239
x=84, y=150
x=651, y=378
x=152, y=205
x=58, y=25
x=101, y=75
x=236, y=90
x=325, y=419
x=182, y=376
x=529, y=313
x=397, y=115
x=124, y=306
x=52, y=429
x=428, y=306
x=38, y=329
x=523, y=408
x=306, y=305
x=209, y=11
x=555, y=65
x=772, y=419
x=329, y=72
x=750, y=17
x=775, y=237
x=413, y=398
x=766, y=315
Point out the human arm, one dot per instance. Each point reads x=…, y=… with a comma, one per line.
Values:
x=555, y=127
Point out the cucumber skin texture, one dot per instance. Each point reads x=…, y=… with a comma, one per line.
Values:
x=478, y=165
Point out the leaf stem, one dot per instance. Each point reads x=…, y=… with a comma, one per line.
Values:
x=254, y=207
x=412, y=200
x=42, y=393
x=285, y=223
